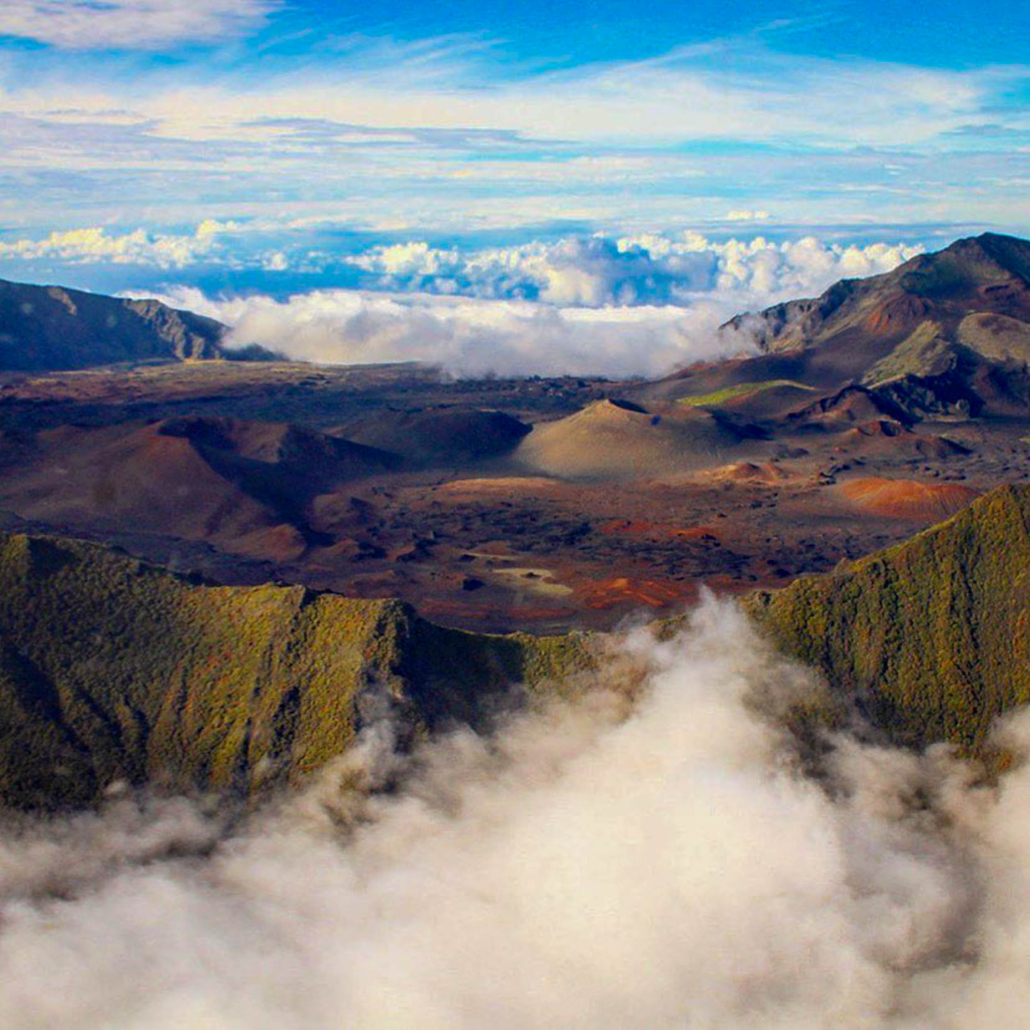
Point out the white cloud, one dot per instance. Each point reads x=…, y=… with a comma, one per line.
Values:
x=96, y=245
x=429, y=146
x=647, y=268
x=590, y=867
x=668, y=100
x=640, y=305
x=469, y=336
x=130, y=24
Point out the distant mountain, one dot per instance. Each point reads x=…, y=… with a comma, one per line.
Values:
x=988, y=272
x=113, y=670
x=47, y=328
x=932, y=637
x=943, y=334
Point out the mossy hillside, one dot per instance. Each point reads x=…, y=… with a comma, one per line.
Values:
x=111, y=669
x=931, y=636
x=739, y=390
x=457, y=675
x=153, y=677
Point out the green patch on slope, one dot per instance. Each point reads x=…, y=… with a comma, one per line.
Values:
x=730, y=393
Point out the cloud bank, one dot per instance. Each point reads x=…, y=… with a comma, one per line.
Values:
x=469, y=337
x=591, y=866
x=596, y=305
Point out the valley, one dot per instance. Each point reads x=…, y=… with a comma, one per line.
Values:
x=550, y=504
x=223, y=524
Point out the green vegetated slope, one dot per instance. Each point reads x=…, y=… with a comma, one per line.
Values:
x=730, y=393
x=931, y=636
x=113, y=670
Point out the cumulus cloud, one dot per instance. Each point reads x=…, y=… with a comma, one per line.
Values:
x=135, y=24
x=623, y=306
x=746, y=215
x=647, y=268
x=96, y=245
x=662, y=866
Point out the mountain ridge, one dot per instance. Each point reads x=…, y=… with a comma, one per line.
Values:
x=945, y=334
x=996, y=266
x=114, y=670
x=931, y=637
x=55, y=328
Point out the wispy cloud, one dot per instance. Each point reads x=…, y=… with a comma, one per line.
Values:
x=130, y=24
x=742, y=92
x=442, y=134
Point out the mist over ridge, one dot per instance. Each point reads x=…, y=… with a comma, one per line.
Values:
x=591, y=865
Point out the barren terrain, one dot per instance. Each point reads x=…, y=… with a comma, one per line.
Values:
x=242, y=472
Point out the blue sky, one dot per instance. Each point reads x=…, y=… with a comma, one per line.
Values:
x=241, y=145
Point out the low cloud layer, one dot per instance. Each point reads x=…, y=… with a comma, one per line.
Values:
x=624, y=306
x=589, y=867
x=470, y=337
x=95, y=244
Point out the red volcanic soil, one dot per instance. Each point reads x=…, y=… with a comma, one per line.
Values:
x=697, y=533
x=897, y=313
x=149, y=480
x=907, y=498
x=619, y=590
x=655, y=530
x=640, y=527
x=244, y=487
x=601, y=511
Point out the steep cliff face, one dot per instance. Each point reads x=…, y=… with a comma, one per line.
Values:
x=932, y=637
x=45, y=328
x=112, y=670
